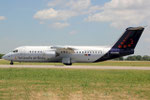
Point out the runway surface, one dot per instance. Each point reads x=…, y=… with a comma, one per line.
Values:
x=76, y=67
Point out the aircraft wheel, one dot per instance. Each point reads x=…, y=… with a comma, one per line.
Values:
x=69, y=64
x=11, y=63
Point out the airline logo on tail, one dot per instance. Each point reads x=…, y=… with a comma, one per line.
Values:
x=124, y=43
x=129, y=39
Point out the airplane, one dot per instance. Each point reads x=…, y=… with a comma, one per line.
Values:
x=77, y=54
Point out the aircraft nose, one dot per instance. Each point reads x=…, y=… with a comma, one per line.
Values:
x=7, y=56
x=3, y=57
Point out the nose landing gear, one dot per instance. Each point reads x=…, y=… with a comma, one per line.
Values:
x=11, y=62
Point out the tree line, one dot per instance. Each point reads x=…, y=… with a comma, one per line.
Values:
x=135, y=58
x=1, y=55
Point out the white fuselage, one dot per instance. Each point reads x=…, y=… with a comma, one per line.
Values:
x=56, y=54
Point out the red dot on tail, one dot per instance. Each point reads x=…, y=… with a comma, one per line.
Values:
x=119, y=46
x=129, y=45
x=125, y=46
x=122, y=42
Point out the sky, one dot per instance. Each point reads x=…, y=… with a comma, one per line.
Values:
x=71, y=22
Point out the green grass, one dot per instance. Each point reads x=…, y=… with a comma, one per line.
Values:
x=73, y=84
x=106, y=63
x=119, y=63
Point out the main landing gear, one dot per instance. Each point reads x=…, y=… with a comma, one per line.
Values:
x=68, y=64
x=11, y=62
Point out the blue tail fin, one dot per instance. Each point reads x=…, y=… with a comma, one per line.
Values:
x=125, y=45
x=130, y=38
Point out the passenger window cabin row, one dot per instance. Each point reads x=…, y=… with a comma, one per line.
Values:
x=35, y=51
x=77, y=52
x=84, y=52
x=88, y=52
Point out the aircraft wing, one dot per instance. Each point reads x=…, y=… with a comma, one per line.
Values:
x=63, y=49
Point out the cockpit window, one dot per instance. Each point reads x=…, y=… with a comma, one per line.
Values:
x=15, y=51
